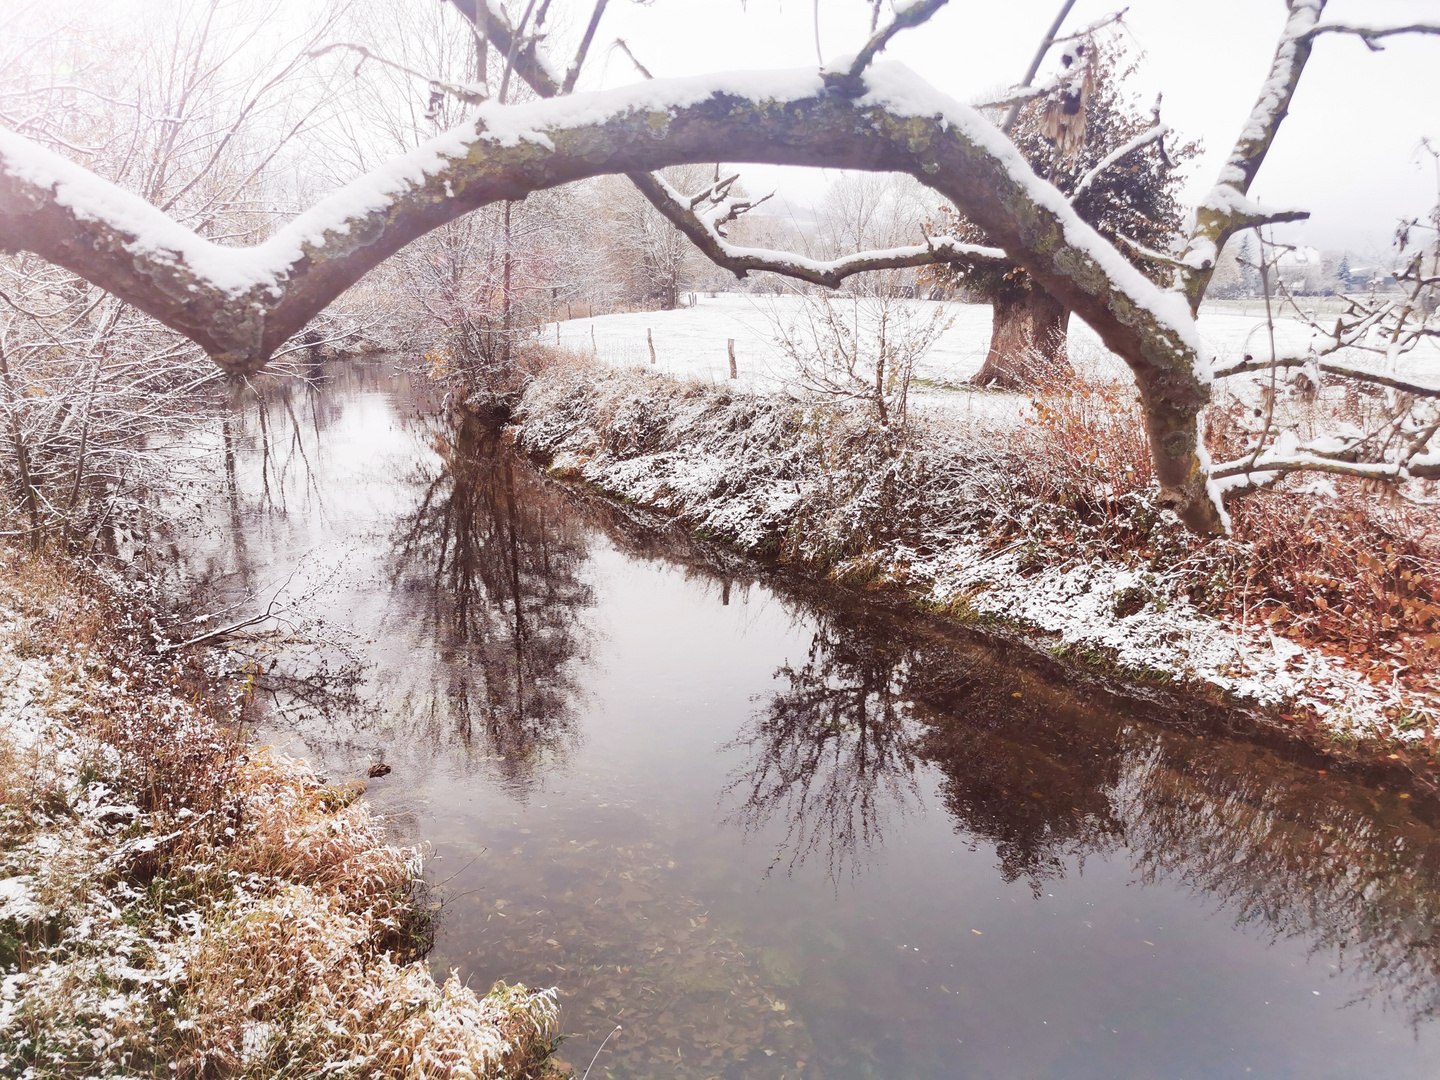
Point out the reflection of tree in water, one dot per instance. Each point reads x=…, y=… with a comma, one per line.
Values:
x=271, y=442
x=833, y=754
x=495, y=560
x=1293, y=854
x=1046, y=782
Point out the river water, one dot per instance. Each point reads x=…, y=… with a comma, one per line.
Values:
x=771, y=831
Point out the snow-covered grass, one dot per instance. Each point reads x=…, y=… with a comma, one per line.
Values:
x=1071, y=553
x=690, y=342
x=171, y=905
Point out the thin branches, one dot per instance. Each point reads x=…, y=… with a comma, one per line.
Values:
x=575, y=65
x=702, y=226
x=910, y=15
x=1039, y=58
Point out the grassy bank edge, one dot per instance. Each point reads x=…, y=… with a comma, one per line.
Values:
x=174, y=902
x=620, y=433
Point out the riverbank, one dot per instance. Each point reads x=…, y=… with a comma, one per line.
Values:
x=173, y=901
x=1317, y=617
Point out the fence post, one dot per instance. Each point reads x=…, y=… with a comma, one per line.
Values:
x=593, y=347
x=651, y=342
x=730, y=346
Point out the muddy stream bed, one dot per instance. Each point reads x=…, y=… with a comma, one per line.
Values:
x=772, y=831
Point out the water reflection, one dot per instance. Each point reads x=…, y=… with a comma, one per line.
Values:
x=1277, y=846
x=477, y=590
x=833, y=754
x=491, y=568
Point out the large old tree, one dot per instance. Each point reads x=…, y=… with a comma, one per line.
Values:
x=1109, y=158
x=243, y=304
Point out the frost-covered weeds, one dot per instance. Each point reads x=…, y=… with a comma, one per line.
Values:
x=1322, y=612
x=171, y=905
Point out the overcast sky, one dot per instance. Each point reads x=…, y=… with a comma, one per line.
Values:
x=1349, y=151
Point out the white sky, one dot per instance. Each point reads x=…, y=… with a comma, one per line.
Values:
x=1349, y=152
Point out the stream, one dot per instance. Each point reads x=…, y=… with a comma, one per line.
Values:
x=772, y=830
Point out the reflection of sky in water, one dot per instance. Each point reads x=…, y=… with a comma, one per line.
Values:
x=758, y=833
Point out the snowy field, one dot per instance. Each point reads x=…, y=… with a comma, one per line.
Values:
x=691, y=342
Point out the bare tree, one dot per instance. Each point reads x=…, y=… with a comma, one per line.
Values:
x=654, y=261
x=91, y=389
x=863, y=348
x=242, y=305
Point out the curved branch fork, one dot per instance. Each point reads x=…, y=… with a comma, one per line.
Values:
x=240, y=304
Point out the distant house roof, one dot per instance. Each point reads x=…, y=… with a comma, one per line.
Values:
x=1299, y=257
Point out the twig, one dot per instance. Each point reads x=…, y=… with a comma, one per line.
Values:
x=597, y=1053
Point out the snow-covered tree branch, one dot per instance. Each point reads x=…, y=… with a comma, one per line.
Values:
x=242, y=303
x=701, y=218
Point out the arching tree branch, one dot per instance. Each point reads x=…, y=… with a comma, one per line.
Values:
x=704, y=230
x=240, y=304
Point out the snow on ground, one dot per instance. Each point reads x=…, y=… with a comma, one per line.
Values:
x=692, y=456
x=691, y=342
x=1077, y=605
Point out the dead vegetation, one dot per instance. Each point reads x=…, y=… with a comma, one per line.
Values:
x=821, y=486
x=173, y=904
x=1355, y=572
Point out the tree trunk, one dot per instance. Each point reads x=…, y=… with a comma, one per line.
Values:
x=508, y=312
x=1027, y=341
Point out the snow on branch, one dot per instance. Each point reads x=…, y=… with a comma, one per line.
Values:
x=703, y=229
x=1372, y=34
x=1386, y=327
x=1226, y=209
x=1329, y=367
x=1246, y=474
x=241, y=304
x=1386, y=441
x=1148, y=252
x=1145, y=138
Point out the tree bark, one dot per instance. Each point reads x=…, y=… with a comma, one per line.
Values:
x=116, y=241
x=1027, y=341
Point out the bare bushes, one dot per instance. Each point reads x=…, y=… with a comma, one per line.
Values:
x=860, y=348
x=170, y=904
x=1079, y=476
x=92, y=392
x=481, y=287
x=1349, y=568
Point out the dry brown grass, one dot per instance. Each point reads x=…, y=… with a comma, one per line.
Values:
x=319, y=967
x=194, y=910
x=1357, y=573
x=1087, y=443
